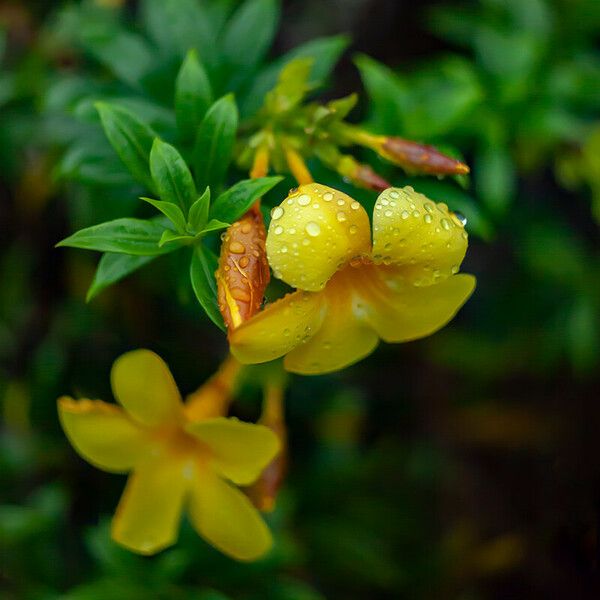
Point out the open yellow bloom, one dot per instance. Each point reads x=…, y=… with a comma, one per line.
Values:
x=176, y=462
x=351, y=292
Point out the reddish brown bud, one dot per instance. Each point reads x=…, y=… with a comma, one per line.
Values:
x=243, y=272
x=419, y=157
x=367, y=178
x=361, y=175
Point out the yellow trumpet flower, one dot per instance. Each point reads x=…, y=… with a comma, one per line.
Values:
x=350, y=291
x=177, y=461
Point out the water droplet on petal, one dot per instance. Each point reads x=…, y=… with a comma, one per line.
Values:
x=355, y=205
x=304, y=200
x=428, y=218
x=405, y=214
x=459, y=218
x=277, y=213
x=353, y=229
x=388, y=213
x=328, y=197
x=446, y=224
x=341, y=216
x=313, y=229
x=394, y=194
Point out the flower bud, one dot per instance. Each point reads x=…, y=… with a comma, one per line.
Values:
x=361, y=175
x=419, y=158
x=243, y=272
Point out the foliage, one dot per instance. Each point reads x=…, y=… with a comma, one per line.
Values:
x=461, y=466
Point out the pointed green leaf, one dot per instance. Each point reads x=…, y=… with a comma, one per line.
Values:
x=388, y=94
x=171, y=175
x=178, y=25
x=214, y=225
x=214, y=142
x=202, y=275
x=126, y=54
x=193, y=95
x=249, y=34
x=325, y=52
x=198, y=215
x=128, y=236
x=171, y=211
x=113, y=268
x=233, y=203
x=172, y=236
x=131, y=139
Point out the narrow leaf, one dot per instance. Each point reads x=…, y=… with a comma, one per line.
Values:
x=233, y=203
x=214, y=225
x=193, y=95
x=214, y=142
x=113, y=268
x=171, y=175
x=131, y=139
x=198, y=215
x=126, y=54
x=325, y=52
x=172, y=236
x=202, y=275
x=128, y=236
x=171, y=211
x=249, y=33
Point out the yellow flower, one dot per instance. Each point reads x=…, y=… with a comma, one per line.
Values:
x=175, y=462
x=350, y=292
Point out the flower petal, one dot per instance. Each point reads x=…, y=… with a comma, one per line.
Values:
x=278, y=328
x=240, y=450
x=407, y=312
x=424, y=238
x=313, y=233
x=344, y=338
x=103, y=434
x=148, y=516
x=144, y=386
x=226, y=518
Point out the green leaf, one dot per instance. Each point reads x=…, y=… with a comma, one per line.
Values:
x=193, y=95
x=113, y=268
x=127, y=236
x=583, y=335
x=198, y=215
x=233, y=203
x=214, y=225
x=171, y=175
x=178, y=25
x=214, y=142
x=131, y=139
x=292, y=86
x=202, y=275
x=249, y=34
x=172, y=236
x=389, y=95
x=171, y=211
x=325, y=52
x=126, y=54
x=495, y=177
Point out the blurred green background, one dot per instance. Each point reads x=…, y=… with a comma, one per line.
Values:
x=465, y=465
